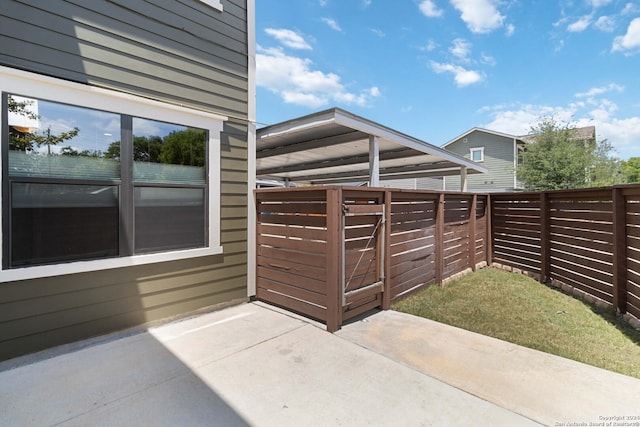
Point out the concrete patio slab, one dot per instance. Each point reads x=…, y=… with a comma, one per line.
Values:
x=548, y=389
x=245, y=365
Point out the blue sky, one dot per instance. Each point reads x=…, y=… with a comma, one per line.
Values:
x=436, y=68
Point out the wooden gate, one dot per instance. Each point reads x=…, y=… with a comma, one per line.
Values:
x=333, y=253
x=363, y=231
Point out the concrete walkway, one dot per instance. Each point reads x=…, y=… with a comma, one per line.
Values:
x=256, y=365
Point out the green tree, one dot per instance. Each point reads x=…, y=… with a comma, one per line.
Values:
x=557, y=158
x=631, y=170
x=26, y=141
x=145, y=149
x=185, y=147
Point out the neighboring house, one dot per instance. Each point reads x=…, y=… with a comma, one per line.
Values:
x=128, y=141
x=500, y=153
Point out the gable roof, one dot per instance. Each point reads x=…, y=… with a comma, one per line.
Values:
x=586, y=132
x=332, y=146
x=478, y=129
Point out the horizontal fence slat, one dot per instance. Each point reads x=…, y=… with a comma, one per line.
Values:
x=592, y=272
x=361, y=306
x=291, y=303
x=563, y=223
x=298, y=245
x=302, y=220
x=508, y=232
x=282, y=276
x=583, y=254
x=527, y=264
x=302, y=258
x=316, y=208
x=412, y=284
x=416, y=255
x=292, y=267
x=583, y=234
x=294, y=291
x=305, y=233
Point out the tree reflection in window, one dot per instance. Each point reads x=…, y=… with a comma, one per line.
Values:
x=45, y=140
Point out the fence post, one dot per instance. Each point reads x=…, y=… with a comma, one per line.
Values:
x=334, y=259
x=386, y=294
x=440, y=239
x=619, y=251
x=489, y=230
x=545, y=238
x=472, y=232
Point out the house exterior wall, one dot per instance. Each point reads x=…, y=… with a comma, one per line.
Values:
x=415, y=183
x=498, y=159
x=181, y=52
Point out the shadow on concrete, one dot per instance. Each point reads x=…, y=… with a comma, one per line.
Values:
x=127, y=381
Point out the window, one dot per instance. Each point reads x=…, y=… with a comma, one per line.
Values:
x=93, y=179
x=477, y=154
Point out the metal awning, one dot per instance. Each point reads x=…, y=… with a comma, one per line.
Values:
x=335, y=146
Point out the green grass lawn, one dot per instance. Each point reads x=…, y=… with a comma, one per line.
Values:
x=518, y=309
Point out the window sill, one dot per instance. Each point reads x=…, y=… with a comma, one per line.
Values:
x=43, y=271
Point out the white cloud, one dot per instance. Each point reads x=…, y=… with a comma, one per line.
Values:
x=296, y=82
x=462, y=76
x=622, y=133
x=378, y=32
x=481, y=16
x=580, y=25
x=460, y=48
x=511, y=29
x=288, y=38
x=519, y=119
x=332, y=24
x=605, y=23
x=630, y=9
x=611, y=87
x=430, y=46
x=430, y=9
x=630, y=42
x=488, y=59
x=598, y=3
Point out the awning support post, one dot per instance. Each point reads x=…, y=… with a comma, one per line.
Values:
x=374, y=161
x=463, y=179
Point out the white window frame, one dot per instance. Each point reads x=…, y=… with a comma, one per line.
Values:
x=41, y=87
x=214, y=4
x=476, y=149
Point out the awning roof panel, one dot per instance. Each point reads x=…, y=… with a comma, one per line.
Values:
x=333, y=146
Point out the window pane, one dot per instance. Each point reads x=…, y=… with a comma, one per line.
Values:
x=476, y=155
x=48, y=139
x=169, y=218
x=164, y=152
x=61, y=222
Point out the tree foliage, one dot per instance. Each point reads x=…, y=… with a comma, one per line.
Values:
x=557, y=158
x=27, y=141
x=184, y=147
x=631, y=170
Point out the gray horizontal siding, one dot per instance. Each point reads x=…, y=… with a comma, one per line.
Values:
x=46, y=312
x=40, y=313
x=498, y=159
x=415, y=183
x=179, y=51
x=182, y=52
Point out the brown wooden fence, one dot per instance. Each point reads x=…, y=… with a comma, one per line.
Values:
x=332, y=253
x=587, y=240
